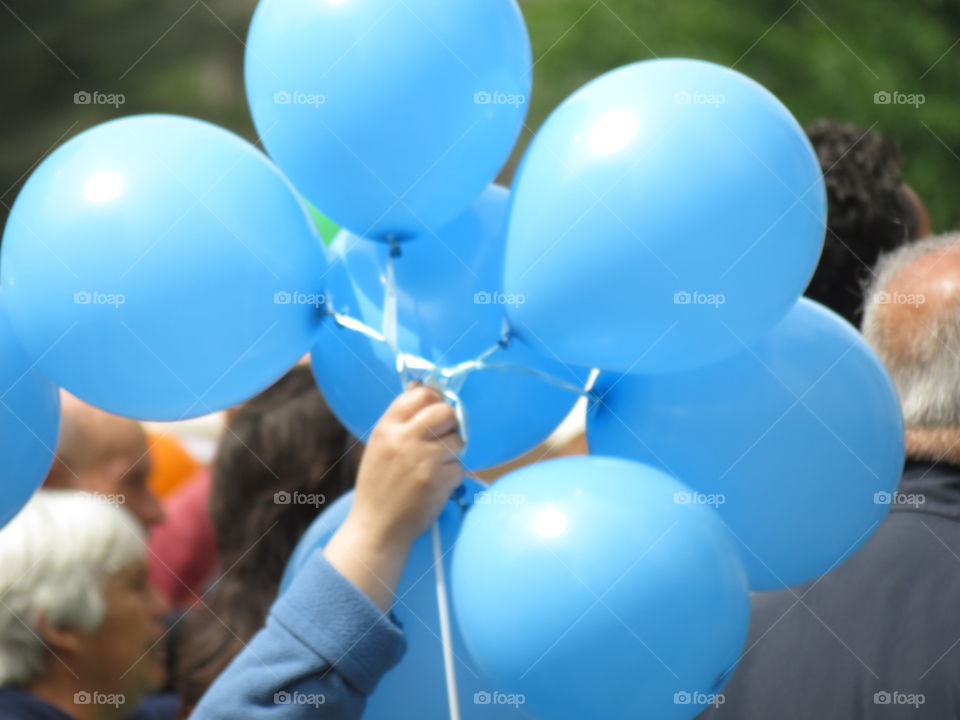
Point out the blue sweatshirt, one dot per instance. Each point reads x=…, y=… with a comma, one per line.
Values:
x=323, y=649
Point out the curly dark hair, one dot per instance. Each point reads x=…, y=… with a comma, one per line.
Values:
x=284, y=440
x=868, y=211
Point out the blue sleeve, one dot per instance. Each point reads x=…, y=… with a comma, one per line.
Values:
x=323, y=649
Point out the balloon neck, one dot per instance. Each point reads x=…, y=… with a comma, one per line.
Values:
x=459, y=497
x=394, y=242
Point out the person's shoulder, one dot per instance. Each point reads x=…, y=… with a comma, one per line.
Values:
x=18, y=704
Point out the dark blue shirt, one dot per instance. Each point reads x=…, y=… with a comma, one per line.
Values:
x=18, y=704
x=879, y=636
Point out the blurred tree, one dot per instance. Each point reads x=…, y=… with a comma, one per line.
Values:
x=176, y=56
x=823, y=58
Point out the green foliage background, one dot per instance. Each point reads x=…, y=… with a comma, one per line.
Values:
x=823, y=58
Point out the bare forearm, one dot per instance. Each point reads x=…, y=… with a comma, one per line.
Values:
x=373, y=566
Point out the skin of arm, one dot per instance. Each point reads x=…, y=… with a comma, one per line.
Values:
x=408, y=472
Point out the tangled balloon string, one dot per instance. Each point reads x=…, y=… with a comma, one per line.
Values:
x=447, y=380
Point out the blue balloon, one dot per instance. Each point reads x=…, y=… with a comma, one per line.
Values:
x=797, y=441
x=417, y=684
x=585, y=585
x=160, y=267
x=664, y=213
x=389, y=117
x=29, y=424
x=450, y=310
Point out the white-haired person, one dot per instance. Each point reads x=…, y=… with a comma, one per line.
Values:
x=879, y=636
x=80, y=625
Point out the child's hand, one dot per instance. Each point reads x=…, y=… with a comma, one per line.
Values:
x=409, y=469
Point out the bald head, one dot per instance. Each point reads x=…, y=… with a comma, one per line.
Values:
x=912, y=319
x=90, y=437
x=105, y=454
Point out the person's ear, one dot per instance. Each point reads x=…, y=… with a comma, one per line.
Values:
x=62, y=641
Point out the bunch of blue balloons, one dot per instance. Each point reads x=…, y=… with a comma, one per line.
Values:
x=660, y=231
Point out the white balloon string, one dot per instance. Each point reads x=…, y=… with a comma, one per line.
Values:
x=389, y=319
x=349, y=323
x=534, y=372
x=441, y=378
x=446, y=636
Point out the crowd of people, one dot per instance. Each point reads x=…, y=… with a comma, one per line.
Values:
x=114, y=604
